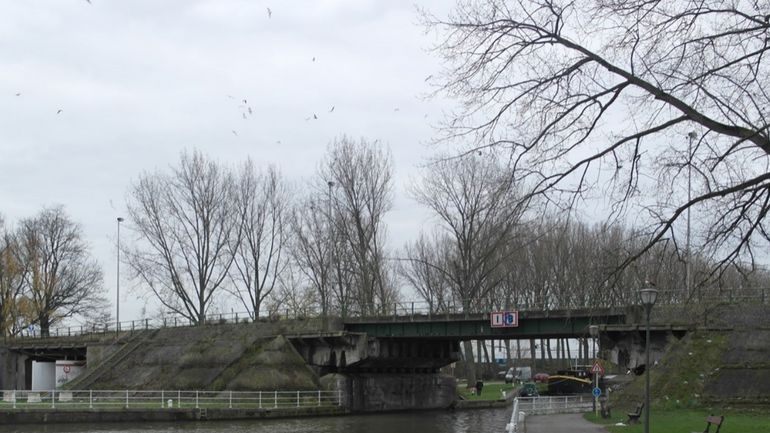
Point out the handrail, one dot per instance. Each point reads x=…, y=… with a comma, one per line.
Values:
x=168, y=399
x=404, y=309
x=555, y=404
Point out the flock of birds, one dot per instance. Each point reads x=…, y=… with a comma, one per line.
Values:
x=245, y=109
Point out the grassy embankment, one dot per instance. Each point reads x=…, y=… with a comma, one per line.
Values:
x=490, y=391
x=683, y=394
x=688, y=420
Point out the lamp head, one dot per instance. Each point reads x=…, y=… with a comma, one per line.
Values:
x=593, y=331
x=120, y=219
x=648, y=297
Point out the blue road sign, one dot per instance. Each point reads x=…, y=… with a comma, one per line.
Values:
x=597, y=392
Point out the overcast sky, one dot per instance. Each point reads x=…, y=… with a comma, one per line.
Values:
x=92, y=94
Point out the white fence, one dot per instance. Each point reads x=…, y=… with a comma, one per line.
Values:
x=517, y=419
x=97, y=399
x=555, y=404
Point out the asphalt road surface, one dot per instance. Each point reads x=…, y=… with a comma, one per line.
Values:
x=567, y=423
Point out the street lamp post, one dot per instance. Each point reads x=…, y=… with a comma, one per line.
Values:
x=648, y=297
x=692, y=136
x=593, y=330
x=325, y=307
x=117, y=285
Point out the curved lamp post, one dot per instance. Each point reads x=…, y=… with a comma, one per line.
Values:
x=117, y=285
x=648, y=298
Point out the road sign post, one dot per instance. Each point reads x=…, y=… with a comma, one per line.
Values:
x=597, y=370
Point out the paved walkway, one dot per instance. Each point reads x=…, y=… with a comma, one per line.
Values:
x=566, y=423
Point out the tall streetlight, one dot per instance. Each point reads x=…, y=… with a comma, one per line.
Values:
x=593, y=330
x=325, y=307
x=117, y=296
x=648, y=297
x=690, y=138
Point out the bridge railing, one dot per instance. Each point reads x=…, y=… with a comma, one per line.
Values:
x=517, y=419
x=545, y=405
x=135, y=399
x=410, y=310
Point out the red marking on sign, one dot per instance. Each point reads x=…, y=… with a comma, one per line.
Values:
x=597, y=369
x=66, y=368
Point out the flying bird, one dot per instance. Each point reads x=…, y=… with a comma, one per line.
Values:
x=314, y=59
x=245, y=102
x=18, y=93
x=315, y=117
x=89, y=1
x=396, y=109
x=250, y=110
x=269, y=13
x=244, y=116
x=234, y=133
x=59, y=111
x=332, y=109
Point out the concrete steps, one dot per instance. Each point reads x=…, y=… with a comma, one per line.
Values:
x=132, y=343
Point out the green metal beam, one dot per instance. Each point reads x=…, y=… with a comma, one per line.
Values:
x=480, y=328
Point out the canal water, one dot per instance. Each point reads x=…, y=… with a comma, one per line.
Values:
x=465, y=421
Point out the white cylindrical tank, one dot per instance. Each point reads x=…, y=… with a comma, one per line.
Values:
x=43, y=376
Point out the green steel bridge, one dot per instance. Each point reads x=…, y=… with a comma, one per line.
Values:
x=531, y=324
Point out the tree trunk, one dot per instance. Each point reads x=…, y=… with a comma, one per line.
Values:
x=532, y=351
x=45, y=325
x=507, y=353
x=470, y=363
x=490, y=361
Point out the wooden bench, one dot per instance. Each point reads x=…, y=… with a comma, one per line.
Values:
x=713, y=420
x=633, y=417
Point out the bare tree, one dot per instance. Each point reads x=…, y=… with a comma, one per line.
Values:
x=259, y=254
x=631, y=100
x=295, y=294
x=63, y=280
x=426, y=271
x=474, y=200
x=185, y=221
x=13, y=274
x=311, y=248
x=361, y=175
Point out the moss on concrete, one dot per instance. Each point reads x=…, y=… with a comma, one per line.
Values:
x=707, y=369
x=268, y=366
x=218, y=357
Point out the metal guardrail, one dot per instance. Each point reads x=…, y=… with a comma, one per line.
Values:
x=546, y=405
x=396, y=310
x=164, y=399
x=517, y=418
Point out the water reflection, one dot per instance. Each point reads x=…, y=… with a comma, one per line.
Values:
x=468, y=421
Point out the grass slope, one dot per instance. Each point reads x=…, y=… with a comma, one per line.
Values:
x=688, y=420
